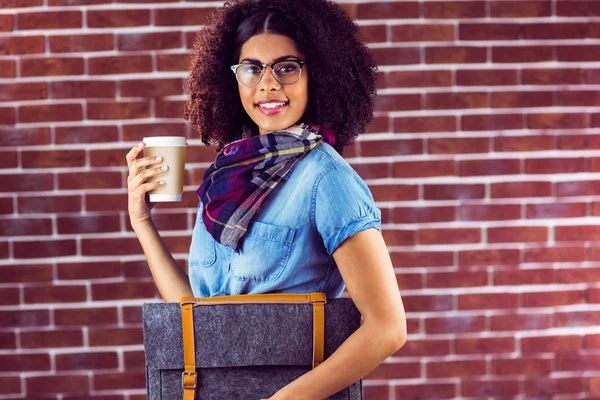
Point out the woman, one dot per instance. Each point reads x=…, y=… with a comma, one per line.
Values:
x=280, y=87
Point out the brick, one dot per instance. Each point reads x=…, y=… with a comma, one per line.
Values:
x=398, y=237
x=489, y=167
x=173, y=62
x=521, y=99
x=85, y=316
x=76, y=2
x=489, y=31
x=453, y=101
x=454, y=192
x=50, y=113
x=413, y=215
x=25, y=226
x=577, y=318
x=577, y=233
x=420, y=79
x=373, y=33
x=579, y=142
x=391, y=147
x=9, y=296
x=457, y=279
x=396, y=370
x=455, y=55
x=151, y=87
x=120, y=110
x=521, y=189
x=81, y=43
x=117, y=18
x=49, y=204
x=595, y=164
x=555, y=254
x=579, y=275
x=6, y=206
x=88, y=270
x=423, y=33
x=25, y=273
x=427, y=303
x=53, y=159
x=458, y=145
x=91, y=247
x=134, y=359
x=476, y=301
x=524, y=143
x=27, y=183
x=521, y=9
x=132, y=314
x=46, y=248
x=486, y=345
x=86, y=134
x=52, y=338
x=424, y=348
x=6, y=22
x=8, y=159
x=464, y=368
x=24, y=362
x=12, y=385
x=89, y=180
x=454, y=9
x=449, y=236
x=119, y=65
x=486, y=387
x=559, y=76
x=396, y=55
x=549, y=387
x=24, y=318
x=88, y=224
x=474, y=258
x=120, y=380
x=24, y=136
x=486, y=77
x=593, y=295
x=490, y=212
x=581, y=188
x=398, y=102
x=57, y=384
x=578, y=362
x=555, y=31
x=115, y=337
x=557, y=121
x=49, y=20
x=426, y=124
x=136, y=132
x=553, y=298
x=577, y=98
x=7, y=68
x=55, y=294
x=83, y=361
x=522, y=366
x=105, y=202
x=123, y=290
x=554, y=165
x=557, y=210
x=387, y=10
x=520, y=322
x=577, y=9
x=456, y=325
x=83, y=89
x=551, y=344
x=422, y=259
x=522, y=54
x=592, y=341
x=372, y=171
x=23, y=91
x=12, y=45
x=182, y=16
x=394, y=192
x=7, y=116
x=149, y=41
x=517, y=234
x=414, y=169
x=422, y=391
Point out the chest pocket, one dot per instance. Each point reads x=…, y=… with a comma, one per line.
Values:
x=264, y=253
x=202, y=249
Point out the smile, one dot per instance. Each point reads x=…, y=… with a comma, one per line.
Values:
x=272, y=108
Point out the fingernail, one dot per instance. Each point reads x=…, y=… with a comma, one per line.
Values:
x=164, y=167
x=158, y=158
x=162, y=182
x=140, y=144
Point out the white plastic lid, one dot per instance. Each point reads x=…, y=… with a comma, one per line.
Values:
x=165, y=141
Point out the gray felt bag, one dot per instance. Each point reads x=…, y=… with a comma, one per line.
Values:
x=243, y=346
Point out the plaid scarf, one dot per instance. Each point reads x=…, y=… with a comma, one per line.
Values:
x=245, y=172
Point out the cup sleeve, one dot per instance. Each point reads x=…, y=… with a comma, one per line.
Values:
x=342, y=206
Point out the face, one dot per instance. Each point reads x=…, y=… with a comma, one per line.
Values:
x=267, y=49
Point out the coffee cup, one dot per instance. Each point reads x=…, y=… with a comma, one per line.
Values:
x=172, y=149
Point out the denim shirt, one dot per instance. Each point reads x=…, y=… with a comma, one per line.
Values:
x=289, y=244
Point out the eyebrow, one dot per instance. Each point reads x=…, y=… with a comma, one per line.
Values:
x=282, y=58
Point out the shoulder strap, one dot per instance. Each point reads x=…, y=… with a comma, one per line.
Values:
x=189, y=377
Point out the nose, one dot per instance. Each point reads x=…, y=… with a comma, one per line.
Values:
x=268, y=81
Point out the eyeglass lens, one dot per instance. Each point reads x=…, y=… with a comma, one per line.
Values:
x=285, y=72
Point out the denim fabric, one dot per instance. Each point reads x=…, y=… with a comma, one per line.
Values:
x=243, y=351
x=289, y=245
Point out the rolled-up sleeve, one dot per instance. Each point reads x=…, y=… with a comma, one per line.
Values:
x=342, y=205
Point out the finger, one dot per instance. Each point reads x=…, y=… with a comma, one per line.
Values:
x=141, y=163
x=133, y=153
x=146, y=187
x=148, y=173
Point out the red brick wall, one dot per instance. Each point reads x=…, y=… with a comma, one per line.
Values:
x=483, y=156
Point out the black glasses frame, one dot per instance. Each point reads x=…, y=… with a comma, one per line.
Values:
x=263, y=67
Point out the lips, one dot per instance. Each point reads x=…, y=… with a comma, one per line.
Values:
x=271, y=107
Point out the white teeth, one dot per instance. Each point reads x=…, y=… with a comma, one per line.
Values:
x=271, y=105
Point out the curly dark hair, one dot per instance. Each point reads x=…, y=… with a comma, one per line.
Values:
x=342, y=74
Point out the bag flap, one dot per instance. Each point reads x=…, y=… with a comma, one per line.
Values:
x=237, y=335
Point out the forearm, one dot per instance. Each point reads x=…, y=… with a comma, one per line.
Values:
x=170, y=279
x=360, y=353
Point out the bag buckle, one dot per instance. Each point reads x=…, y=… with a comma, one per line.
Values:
x=185, y=383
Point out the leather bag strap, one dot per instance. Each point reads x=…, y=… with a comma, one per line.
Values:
x=189, y=378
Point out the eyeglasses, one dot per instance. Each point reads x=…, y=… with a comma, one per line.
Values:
x=286, y=72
